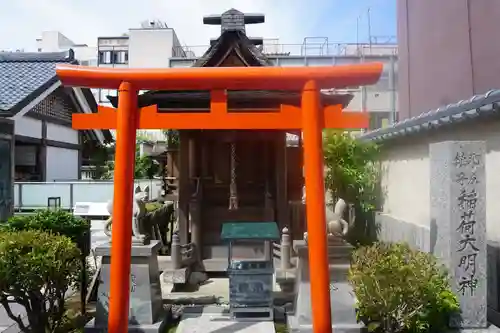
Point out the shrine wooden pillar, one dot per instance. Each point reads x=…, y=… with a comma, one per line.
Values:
x=312, y=127
x=281, y=180
x=196, y=192
x=184, y=186
x=121, y=236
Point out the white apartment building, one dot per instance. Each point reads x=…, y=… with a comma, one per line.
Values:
x=54, y=41
x=149, y=46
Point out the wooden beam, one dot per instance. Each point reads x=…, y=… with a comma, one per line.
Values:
x=287, y=118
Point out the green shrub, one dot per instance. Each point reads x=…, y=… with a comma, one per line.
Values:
x=56, y=221
x=401, y=290
x=36, y=271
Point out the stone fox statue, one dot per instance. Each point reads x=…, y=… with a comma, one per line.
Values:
x=336, y=226
x=139, y=210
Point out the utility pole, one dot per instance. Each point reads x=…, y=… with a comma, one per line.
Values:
x=392, y=87
x=357, y=31
x=368, y=14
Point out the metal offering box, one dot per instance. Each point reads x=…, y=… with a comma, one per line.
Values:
x=250, y=281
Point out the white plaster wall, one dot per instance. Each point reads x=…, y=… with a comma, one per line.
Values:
x=61, y=133
x=150, y=48
x=376, y=100
x=62, y=164
x=406, y=173
x=28, y=127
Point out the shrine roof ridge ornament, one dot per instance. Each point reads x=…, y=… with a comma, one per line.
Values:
x=234, y=20
x=221, y=78
x=479, y=106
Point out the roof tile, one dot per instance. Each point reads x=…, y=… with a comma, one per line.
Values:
x=22, y=74
x=478, y=106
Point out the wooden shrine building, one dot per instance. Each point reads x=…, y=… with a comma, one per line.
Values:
x=233, y=175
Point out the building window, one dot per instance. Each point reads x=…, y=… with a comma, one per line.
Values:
x=105, y=57
x=113, y=57
x=120, y=57
x=379, y=120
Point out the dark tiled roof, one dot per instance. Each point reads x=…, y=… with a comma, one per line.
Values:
x=238, y=42
x=24, y=76
x=478, y=106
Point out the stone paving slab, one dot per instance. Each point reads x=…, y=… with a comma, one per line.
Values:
x=7, y=325
x=5, y=321
x=212, y=319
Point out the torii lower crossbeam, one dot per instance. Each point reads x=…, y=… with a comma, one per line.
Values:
x=311, y=118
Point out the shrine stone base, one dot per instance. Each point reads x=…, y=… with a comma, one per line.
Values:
x=91, y=327
x=146, y=309
x=342, y=298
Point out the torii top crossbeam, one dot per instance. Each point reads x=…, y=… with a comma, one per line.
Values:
x=214, y=78
x=311, y=118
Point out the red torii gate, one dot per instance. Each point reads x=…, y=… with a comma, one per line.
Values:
x=311, y=118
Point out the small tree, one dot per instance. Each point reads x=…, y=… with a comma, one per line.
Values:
x=61, y=223
x=36, y=271
x=145, y=166
x=172, y=138
x=352, y=174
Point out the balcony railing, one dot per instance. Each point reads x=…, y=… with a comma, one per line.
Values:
x=302, y=50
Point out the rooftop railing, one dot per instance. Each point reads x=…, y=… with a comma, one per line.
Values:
x=302, y=50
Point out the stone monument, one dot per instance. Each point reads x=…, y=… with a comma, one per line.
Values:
x=146, y=309
x=458, y=210
x=342, y=298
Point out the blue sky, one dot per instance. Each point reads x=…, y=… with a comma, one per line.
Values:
x=289, y=20
x=338, y=20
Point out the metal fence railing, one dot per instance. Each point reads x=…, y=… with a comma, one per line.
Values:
x=37, y=195
x=305, y=49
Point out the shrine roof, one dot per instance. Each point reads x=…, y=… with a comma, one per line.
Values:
x=233, y=42
x=236, y=99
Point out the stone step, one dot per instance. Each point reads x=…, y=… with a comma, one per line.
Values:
x=180, y=275
x=337, y=328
